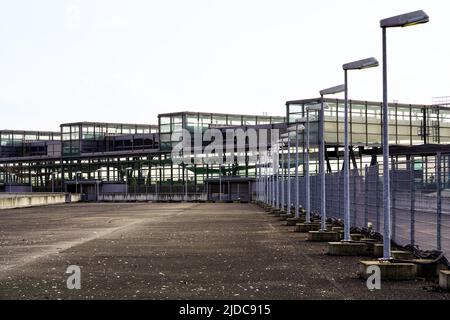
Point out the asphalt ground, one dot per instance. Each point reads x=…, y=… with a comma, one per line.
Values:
x=175, y=251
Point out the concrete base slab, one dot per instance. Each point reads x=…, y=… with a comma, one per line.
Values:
x=347, y=249
x=402, y=255
x=306, y=227
x=284, y=217
x=389, y=270
x=323, y=236
x=427, y=269
x=444, y=279
x=290, y=222
x=277, y=214
x=369, y=240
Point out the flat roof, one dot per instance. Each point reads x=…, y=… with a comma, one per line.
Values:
x=217, y=114
x=29, y=132
x=318, y=100
x=108, y=123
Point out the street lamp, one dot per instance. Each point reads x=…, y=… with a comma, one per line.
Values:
x=283, y=142
x=403, y=20
x=277, y=176
x=297, y=128
x=355, y=65
x=329, y=91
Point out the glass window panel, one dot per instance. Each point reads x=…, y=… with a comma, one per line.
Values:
x=358, y=113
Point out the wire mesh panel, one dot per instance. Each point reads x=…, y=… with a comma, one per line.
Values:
x=420, y=199
x=402, y=189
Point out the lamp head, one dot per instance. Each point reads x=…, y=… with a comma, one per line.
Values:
x=332, y=90
x=361, y=64
x=405, y=20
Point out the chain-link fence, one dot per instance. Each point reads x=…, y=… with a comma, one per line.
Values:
x=420, y=200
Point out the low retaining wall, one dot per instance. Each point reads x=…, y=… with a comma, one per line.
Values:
x=144, y=197
x=17, y=200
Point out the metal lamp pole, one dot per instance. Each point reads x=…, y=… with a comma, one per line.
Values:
x=220, y=183
x=288, y=209
x=307, y=181
x=356, y=65
x=277, y=184
x=297, y=212
x=323, y=211
x=282, y=207
x=404, y=20
x=296, y=129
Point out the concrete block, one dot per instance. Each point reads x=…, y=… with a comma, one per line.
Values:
x=427, y=269
x=306, y=227
x=369, y=240
x=378, y=250
x=337, y=229
x=356, y=236
x=390, y=270
x=402, y=255
x=284, y=216
x=444, y=279
x=347, y=249
x=290, y=222
x=323, y=236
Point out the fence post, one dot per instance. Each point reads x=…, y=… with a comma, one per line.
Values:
x=413, y=202
x=352, y=198
x=377, y=186
x=366, y=196
x=439, y=200
x=394, y=180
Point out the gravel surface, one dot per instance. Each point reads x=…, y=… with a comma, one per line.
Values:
x=175, y=251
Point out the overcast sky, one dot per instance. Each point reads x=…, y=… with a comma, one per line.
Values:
x=126, y=61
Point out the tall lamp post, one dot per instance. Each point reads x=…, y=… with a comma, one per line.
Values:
x=297, y=128
x=323, y=211
x=356, y=65
x=277, y=178
x=403, y=20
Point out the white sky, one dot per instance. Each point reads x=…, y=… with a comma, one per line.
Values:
x=126, y=61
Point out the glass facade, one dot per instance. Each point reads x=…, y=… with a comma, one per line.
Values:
x=18, y=143
x=408, y=124
x=88, y=137
x=200, y=122
x=140, y=155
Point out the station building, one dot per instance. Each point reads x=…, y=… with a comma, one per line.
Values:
x=134, y=160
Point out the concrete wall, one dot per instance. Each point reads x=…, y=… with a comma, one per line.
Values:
x=143, y=197
x=13, y=200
